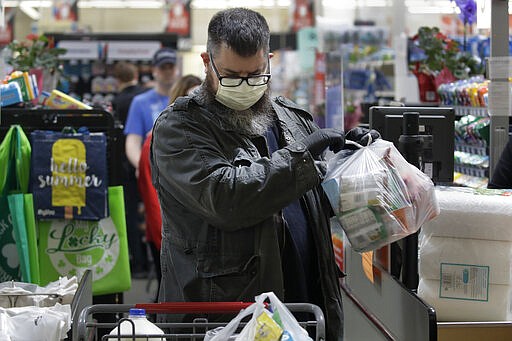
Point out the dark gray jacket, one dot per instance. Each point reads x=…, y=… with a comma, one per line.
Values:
x=221, y=207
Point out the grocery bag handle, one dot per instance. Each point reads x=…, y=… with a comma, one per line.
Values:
x=354, y=143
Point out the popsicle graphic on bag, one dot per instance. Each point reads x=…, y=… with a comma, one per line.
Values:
x=68, y=166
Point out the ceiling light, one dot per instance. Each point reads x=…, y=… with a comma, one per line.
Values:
x=35, y=4
x=30, y=11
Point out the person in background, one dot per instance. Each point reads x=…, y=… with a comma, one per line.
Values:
x=153, y=218
x=238, y=178
x=145, y=107
x=184, y=87
x=502, y=175
x=127, y=76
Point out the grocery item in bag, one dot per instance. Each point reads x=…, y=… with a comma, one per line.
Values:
x=378, y=197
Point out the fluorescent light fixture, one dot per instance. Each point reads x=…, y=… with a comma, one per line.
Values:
x=430, y=7
x=430, y=10
x=30, y=11
x=34, y=4
x=144, y=4
x=375, y=3
x=119, y=4
x=284, y=3
x=209, y=4
x=337, y=4
x=220, y=4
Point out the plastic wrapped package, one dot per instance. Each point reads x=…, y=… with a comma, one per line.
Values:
x=493, y=304
x=377, y=196
x=36, y=323
x=491, y=256
x=465, y=256
x=19, y=294
x=472, y=213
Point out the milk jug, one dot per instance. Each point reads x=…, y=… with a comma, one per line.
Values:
x=142, y=327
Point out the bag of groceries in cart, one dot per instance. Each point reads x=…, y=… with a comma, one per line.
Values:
x=377, y=196
x=269, y=323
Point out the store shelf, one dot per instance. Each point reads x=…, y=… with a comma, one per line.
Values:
x=471, y=170
x=472, y=149
x=475, y=111
x=470, y=181
x=371, y=64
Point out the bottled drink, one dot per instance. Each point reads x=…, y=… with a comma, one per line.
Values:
x=142, y=327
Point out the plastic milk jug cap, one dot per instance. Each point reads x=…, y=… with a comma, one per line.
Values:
x=137, y=312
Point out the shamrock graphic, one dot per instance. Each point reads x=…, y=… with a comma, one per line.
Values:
x=99, y=270
x=73, y=241
x=109, y=259
x=10, y=253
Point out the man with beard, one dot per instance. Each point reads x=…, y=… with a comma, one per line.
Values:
x=238, y=178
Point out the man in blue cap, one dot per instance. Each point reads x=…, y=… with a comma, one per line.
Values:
x=143, y=111
x=146, y=107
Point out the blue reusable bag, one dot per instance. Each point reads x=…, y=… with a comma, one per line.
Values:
x=68, y=175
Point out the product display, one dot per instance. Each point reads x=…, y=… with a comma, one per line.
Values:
x=10, y=94
x=59, y=100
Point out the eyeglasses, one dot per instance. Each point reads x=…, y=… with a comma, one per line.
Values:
x=232, y=82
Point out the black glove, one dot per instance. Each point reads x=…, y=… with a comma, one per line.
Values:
x=322, y=139
x=360, y=136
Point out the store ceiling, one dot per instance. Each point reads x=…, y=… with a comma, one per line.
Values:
x=414, y=6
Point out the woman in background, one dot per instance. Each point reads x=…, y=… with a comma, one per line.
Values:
x=184, y=86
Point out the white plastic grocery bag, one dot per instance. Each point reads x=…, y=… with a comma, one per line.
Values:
x=277, y=313
x=377, y=196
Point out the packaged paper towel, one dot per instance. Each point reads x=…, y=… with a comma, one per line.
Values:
x=472, y=213
x=455, y=300
x=492, y=258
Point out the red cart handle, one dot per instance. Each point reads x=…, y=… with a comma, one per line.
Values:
x=194, y=307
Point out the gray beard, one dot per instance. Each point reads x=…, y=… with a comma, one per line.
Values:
x=254, y=121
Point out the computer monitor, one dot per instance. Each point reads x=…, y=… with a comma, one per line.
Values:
x=436, y=126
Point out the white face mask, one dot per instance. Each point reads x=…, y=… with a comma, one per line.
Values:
x=240, y=97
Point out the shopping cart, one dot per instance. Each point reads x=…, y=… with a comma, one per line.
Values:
x=308, y=315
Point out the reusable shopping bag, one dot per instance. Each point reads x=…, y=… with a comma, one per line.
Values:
x=69, y=247
x=377, y=196
x=14, y=175
x=272, y=324
x=21, y=207
x=69, y=175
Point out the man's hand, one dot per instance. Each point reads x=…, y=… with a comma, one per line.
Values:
x=361, y=136
x=322, y=139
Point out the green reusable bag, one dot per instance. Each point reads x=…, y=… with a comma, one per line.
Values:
x=15, y=153
x=69, y=247
x=21, y=207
